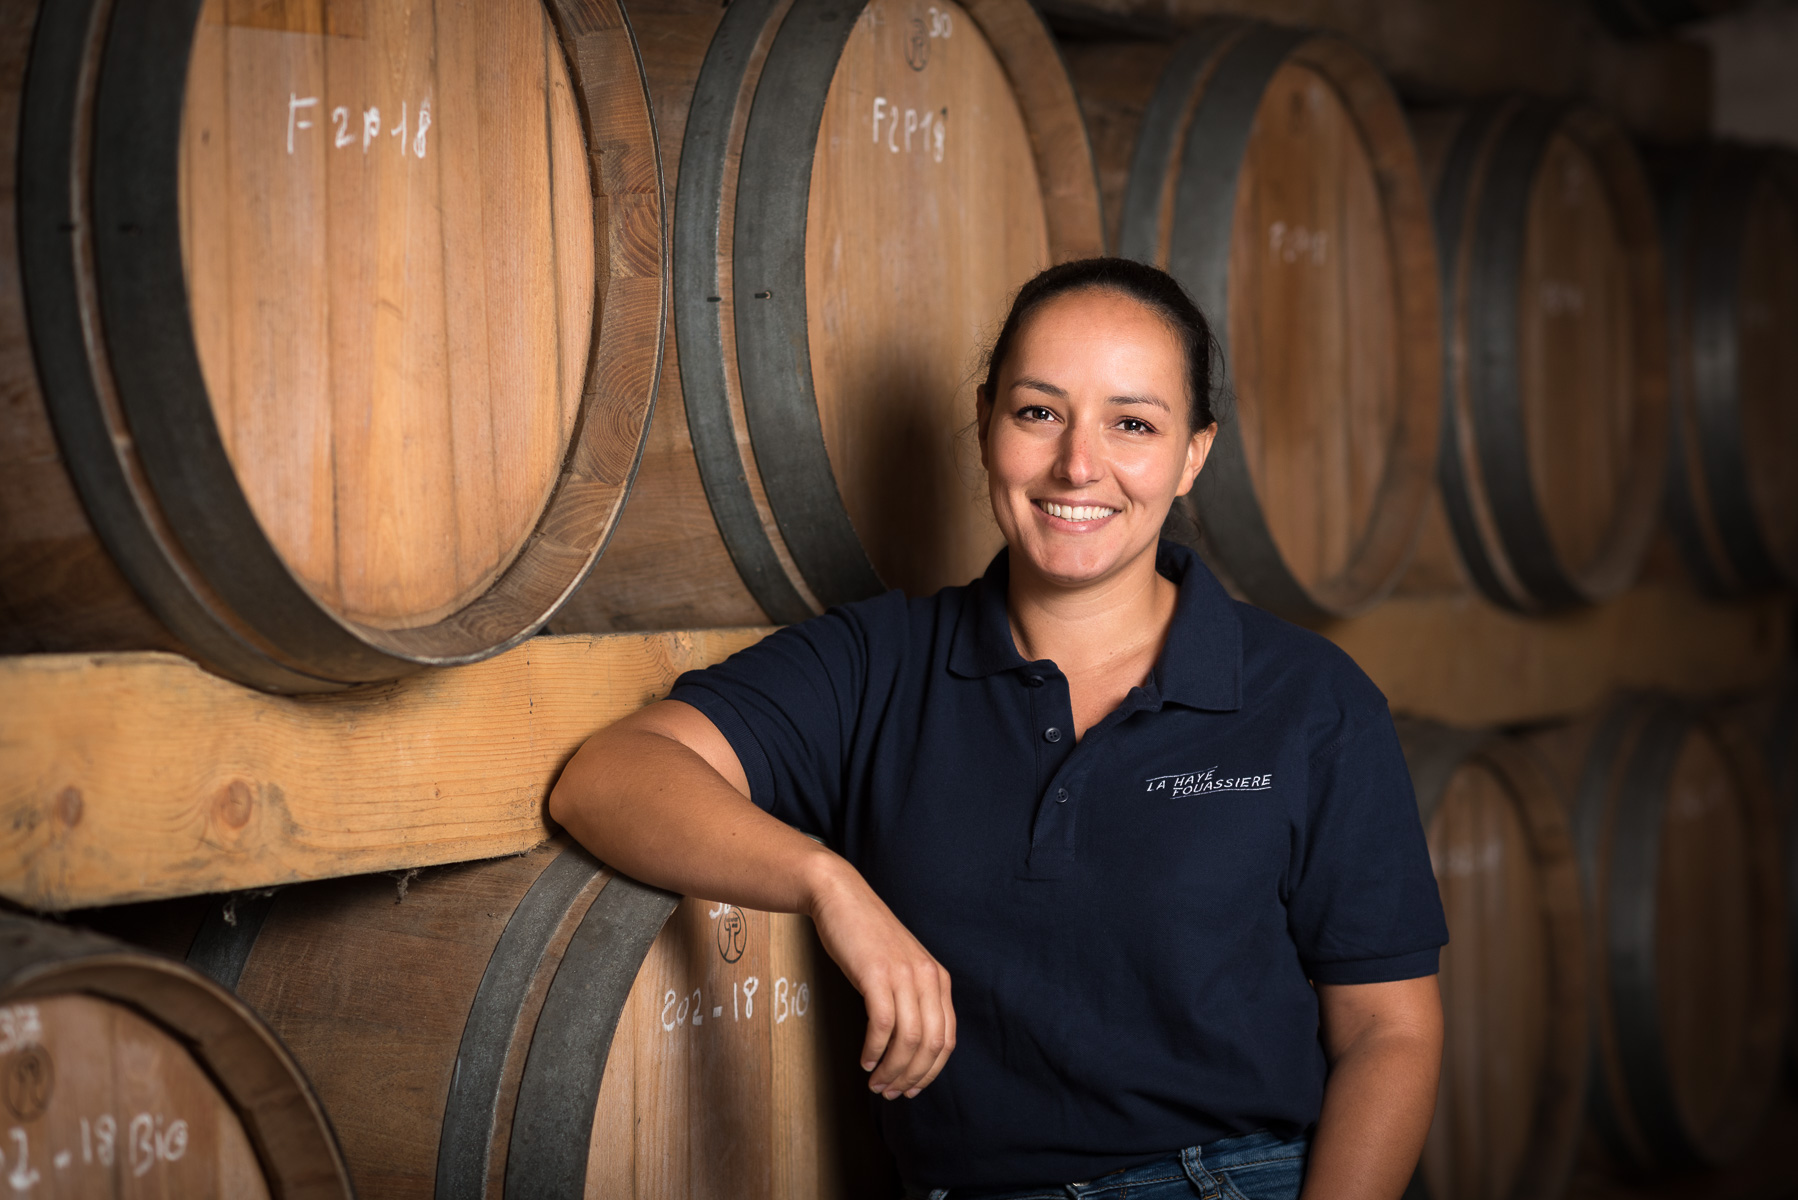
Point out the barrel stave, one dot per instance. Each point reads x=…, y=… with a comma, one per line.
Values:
x=1514, y=977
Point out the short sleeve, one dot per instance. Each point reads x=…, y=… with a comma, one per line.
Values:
x=1363, y=906
x=790, y=706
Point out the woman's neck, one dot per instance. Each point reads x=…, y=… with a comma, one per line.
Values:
x=1120, y=621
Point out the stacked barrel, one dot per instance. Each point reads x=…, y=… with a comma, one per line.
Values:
x=1616, y=890
x=123, y=1068
x=860, y=189
x=1272, y=173
x=1731, y=221
x=332, y=333
x=540, y=1026
x=333, y=348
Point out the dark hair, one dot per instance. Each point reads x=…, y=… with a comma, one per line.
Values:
x=1147, y=285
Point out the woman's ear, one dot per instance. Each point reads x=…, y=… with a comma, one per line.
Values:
x=1198, y=448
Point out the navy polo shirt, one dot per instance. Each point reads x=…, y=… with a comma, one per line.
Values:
x=1130, y=922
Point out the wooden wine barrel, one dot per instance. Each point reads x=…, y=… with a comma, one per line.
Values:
x=126, y=1074
x=539, y=1027
x=1555, y=400
x=1679, y=860
x=1730, y=218
x=329, y=330
x=1514, y=975
x=1271, y=171
x=860, y=189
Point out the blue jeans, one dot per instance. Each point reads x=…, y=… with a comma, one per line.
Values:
x=1255, y=1166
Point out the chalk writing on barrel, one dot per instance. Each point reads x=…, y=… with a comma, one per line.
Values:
x=410, y=131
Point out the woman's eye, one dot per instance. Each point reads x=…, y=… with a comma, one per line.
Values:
x=1035, y=412
x=1135, y=425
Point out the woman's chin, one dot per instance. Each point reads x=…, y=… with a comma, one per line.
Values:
x=1077, y=559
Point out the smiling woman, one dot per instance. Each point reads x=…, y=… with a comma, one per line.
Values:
x=1095, y=413
x=1226, y=984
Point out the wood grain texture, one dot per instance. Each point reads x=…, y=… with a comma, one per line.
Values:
x=1575, y=351
x=731, y=1075
x=909, y=265
x=108, y=1104
x=420, y=261
x=925, y=215
x=1315, y=324
x=1706, y=889
x=1557, y=364
x=1690, y=1086
x=1461, y=660
x=1113, y=80
x=379, y=1044
x=388, y=233
x=142, y=776
x=667, y=566
x=127, y=1074
x=1514, y=975
x=58, y=587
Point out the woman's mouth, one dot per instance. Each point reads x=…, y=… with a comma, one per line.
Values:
x=1077, y=513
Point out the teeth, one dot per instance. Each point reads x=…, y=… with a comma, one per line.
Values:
x=1077, y=512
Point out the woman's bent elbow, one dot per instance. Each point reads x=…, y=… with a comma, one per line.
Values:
x=566, y=794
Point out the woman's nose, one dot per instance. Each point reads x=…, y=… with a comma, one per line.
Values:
x=1078, y=462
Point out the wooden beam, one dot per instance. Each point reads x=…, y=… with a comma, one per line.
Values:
x=1458, y=659
x=137, y=776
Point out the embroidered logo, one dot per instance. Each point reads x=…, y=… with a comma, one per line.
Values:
x=1198, y=783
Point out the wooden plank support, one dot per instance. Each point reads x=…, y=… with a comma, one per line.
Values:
x=1460, y=660
x=138, y=776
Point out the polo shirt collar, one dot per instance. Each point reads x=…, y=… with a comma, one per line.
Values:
x=1200, y=667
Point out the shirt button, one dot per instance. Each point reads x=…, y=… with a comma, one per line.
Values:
x=1051, y=734
x=1061, y=795
x=1033, y=680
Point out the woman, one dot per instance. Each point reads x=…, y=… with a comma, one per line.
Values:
x=1163, y=844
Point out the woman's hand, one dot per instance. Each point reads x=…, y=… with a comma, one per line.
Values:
x=911, y=1019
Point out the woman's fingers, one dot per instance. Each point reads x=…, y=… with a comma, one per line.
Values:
x=948, y=1046
x=919, y=1038
x=932, y=1023
x=879, y=1000
x=903, y=1044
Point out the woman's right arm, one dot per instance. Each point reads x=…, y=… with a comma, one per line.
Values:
x=662, y=797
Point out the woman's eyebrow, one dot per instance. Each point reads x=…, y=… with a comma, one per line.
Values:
x=1149, y=400
x=1034, y=384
